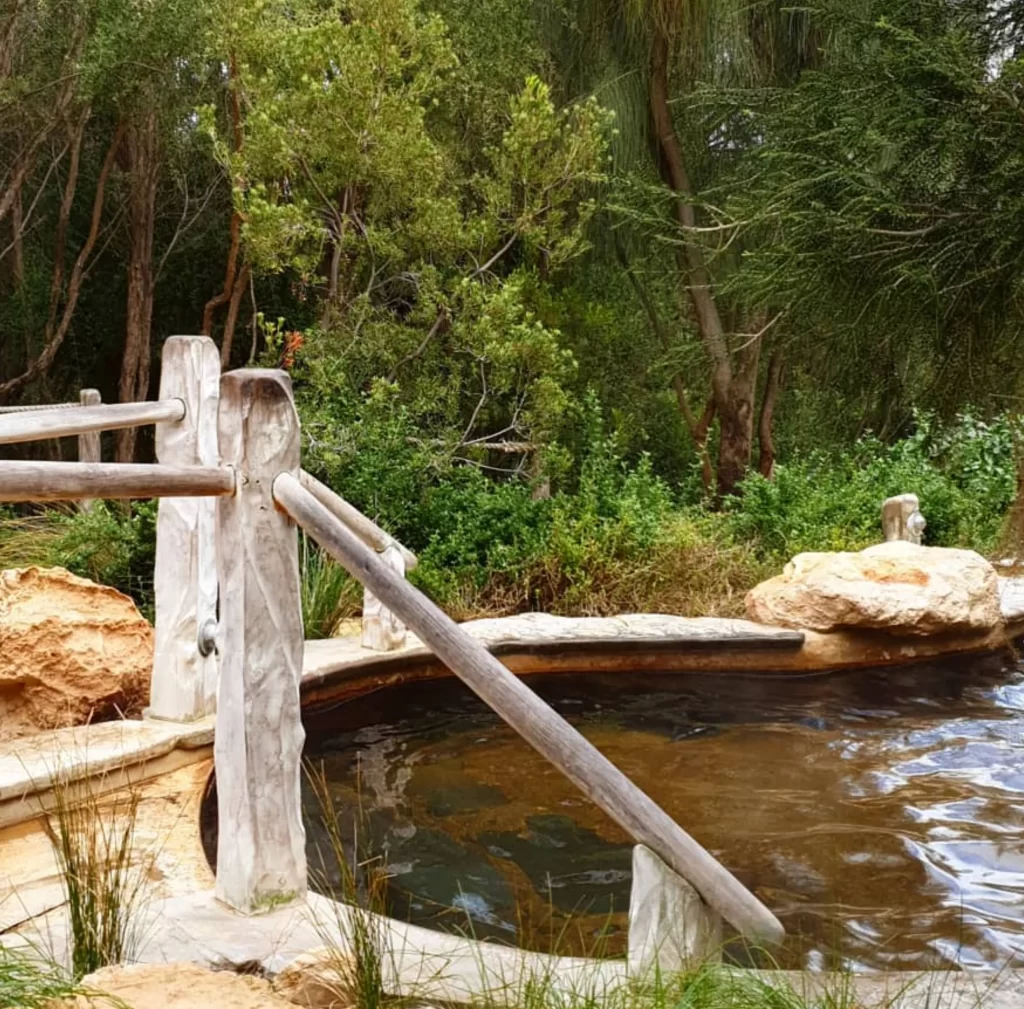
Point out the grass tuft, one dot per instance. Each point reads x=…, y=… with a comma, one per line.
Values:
x=358, y=887
x=29, y=981
x=329, y=595
x=103, y=881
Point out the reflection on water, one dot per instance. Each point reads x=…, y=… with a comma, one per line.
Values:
x=878, y=814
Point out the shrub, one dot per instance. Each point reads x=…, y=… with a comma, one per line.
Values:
x=964, y=477
x=108, y=544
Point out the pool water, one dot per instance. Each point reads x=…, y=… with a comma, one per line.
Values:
x=878, y=814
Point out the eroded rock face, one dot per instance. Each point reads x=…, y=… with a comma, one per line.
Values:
x=70, y=651
x=896, y=587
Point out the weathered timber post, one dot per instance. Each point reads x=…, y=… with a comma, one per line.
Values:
x=902, y=519
x=670, y=927
x=261, y=859
x=89, y=444
x=382, y=629
x=184, y=682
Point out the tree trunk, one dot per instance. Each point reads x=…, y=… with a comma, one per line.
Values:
x=734, y=406
x=765, y=442
x=241, y=283
x=736, y=418
x=143, y=141
x=232, y=282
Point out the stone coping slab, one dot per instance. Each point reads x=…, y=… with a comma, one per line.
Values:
x=420, y=963
x=542, y=634
x=31, y=765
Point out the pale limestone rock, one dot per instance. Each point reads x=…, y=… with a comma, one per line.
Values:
x=897, y=587
x=319, y=979
x=176, y=986
x=71, y=651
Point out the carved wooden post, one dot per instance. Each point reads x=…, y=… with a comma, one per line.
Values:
x=902, y=519
x=89, y=445
x=670, y=927
x=184, y=683
x=261, y=859
x=382, y=630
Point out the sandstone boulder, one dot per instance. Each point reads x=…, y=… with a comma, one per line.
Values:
x=319, y=979
x=897, y=587
x=176, y=986
x=70, y=651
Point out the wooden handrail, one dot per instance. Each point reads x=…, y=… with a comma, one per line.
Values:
x=542, y=727
x=38, y=425
x=69, y=481
x=365, y=528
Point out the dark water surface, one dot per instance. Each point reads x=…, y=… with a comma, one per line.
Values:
x=879, y=814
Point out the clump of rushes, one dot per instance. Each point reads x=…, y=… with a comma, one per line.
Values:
x=93, y=840
x=328, y=593
x=358, y=887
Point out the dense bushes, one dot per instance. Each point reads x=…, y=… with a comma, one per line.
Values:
x=963, y=474
x=615, y=538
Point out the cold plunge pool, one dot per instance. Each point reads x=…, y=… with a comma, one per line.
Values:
x=877, y=813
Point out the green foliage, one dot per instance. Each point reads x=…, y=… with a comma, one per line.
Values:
x=964, y=476
x=30, y=981
x=328, y=593
x=107, y=544
x=93, y=840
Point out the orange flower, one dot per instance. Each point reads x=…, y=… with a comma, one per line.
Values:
x=292, y=344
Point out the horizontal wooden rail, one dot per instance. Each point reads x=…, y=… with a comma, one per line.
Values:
x=38, y=425
x=543, y=728
x=32, y=407
x=69, y=481
x=366, y=529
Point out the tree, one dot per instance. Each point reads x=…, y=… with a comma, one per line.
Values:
x=674, y=48
x=883, y=202
x=417, y=259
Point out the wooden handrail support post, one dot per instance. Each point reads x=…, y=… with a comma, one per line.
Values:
x=670, y=927
x=70, y=481
x=261, y=855
x=183, y=686
x=382, y=631
x=90, y=448
x=39, y=425
x=542, y=727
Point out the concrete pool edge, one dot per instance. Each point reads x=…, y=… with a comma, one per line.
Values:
x=337, y=669
x=434, y=966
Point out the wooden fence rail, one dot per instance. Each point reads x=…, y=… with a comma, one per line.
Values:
x=69, y=481
x=38, y=425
